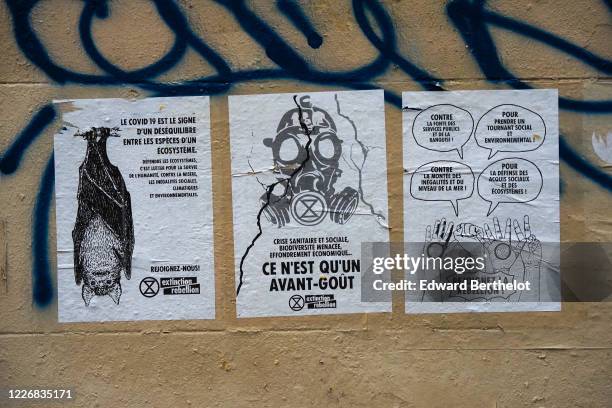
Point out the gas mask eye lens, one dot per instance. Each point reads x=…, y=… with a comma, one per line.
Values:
x=327, y=149
x=289, y=150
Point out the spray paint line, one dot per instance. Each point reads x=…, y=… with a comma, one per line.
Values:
x=10, y=160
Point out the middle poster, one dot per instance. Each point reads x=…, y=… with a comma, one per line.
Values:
x=309, y=184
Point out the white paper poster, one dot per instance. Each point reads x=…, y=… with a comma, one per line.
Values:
x=481, y=170
x=309, y=183
x=134, y=210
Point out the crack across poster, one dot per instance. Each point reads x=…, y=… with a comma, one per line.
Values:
x=309, y=185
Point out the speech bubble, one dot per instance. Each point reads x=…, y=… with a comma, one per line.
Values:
x=443, y=128
x=514, y=178
x=510, y=128
x=443, y=180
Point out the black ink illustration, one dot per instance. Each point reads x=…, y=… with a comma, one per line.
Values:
x=306, y=152
x=103, y=235
x=270, y=189
x=309, y=194
x=296, y=303
x=512, y=254
x=149, y=287
x=437, y=239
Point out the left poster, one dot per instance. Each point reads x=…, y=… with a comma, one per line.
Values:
x=134, y=210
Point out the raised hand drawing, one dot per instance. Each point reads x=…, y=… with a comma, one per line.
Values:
x=530, y=253
x=530, y=248
x=437, y=238
x=500, y=251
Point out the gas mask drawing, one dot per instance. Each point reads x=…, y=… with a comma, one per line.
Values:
x=309, y=164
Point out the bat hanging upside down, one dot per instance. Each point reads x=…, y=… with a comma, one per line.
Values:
x=103, y=234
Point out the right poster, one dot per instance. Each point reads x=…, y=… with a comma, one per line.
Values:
x=481, y=200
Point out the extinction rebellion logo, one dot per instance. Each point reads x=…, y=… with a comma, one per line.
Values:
x=180, y=286
x=150, y=286
x=297, y=302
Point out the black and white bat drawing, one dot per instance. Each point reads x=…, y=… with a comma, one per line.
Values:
x=103, y=234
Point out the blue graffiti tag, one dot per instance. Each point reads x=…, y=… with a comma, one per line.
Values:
x=470, y=17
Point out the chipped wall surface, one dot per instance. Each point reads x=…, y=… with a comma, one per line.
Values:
x=56, y=49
